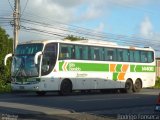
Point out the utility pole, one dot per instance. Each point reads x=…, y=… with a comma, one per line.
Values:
x=16, y=16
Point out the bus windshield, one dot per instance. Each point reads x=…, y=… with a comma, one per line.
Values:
x=23, y=60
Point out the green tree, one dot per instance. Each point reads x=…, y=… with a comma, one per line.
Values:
x=74, y=38
x=5, y=48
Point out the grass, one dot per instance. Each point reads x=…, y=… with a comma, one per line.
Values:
x=157, y=85
x=5, y=87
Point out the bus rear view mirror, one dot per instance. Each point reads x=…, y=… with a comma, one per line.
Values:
x=36, y=57
x=6, y=58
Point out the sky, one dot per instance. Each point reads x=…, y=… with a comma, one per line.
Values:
x=133, y=18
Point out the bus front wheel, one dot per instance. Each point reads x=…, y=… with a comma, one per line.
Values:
x=129, y=86
x=137, y=86
x=66, y=87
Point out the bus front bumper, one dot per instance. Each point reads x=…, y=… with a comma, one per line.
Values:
x=26, y=87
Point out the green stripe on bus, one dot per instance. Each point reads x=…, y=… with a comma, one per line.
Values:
x=115, y=76
x=60, y=66
x=118, y=67
x=77, y=66
x=74, y=66
x=132, y=68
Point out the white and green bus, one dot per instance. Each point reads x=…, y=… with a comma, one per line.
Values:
x=66, y=66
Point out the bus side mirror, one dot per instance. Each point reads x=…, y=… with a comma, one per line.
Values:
x=36, y=57
x=6, y=58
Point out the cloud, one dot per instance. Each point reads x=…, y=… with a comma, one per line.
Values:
x=151, y=37
x=146, y=28
x=100, y=28
x=130, y=2
x=69, y=11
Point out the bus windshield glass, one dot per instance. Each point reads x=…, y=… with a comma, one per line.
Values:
x=23, y=60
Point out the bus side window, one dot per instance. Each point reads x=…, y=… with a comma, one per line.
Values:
x=131, y=55
x=96, y=54
x=120, y=55
x=150, y=57
x=110, y=54
x=91, y=53
x=66, y=51
x=85, y=53
x=144, y=57
x=137, y=56
x=81, y=52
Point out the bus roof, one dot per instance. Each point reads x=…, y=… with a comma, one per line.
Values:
x=101, y=43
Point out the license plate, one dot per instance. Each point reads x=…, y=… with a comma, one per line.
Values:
x=21, y=87
x=157, y=108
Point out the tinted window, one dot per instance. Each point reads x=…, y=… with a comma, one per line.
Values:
x=49, y=58
x=150, y=56
x=137, y=56
x=131, y=56
x=110, y=54
x=144, y=56
x=28, y=49
x=95, y=53
x=81, y=52
x=66, y=51
x=122, y=55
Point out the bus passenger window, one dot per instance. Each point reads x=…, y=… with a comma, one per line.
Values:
x=131, y=55
x=81, y=52
x=110, y=55
x=137, y=56
x=150, y=56
x=66, y=51
x=144, y=57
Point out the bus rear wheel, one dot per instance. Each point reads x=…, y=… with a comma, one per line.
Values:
x=129, y=86
x=66, y=87
x=137, y=86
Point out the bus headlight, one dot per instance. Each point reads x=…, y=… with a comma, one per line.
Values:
x=36, y=87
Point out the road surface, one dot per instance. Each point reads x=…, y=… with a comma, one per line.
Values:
x=109, y=105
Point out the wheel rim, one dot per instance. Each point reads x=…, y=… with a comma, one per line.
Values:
x=138, y=85
x=128, y=86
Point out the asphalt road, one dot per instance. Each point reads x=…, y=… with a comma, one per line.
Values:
x=107, y=105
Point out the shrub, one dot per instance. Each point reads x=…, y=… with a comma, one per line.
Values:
x=5, y=87
x=157, y=85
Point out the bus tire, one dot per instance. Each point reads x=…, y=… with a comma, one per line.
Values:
x=66, y=87
x=40, y=93
x=137, y=86
x=129, y=86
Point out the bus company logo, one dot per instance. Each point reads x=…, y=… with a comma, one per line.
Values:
x=70, y=67
x=142, y=68
x=148, y=69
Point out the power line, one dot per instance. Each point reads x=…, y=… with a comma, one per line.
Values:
x=10, y=5
x=24, y=7
x=82, y=32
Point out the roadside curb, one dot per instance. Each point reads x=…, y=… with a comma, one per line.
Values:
x=45, y=110
x=53, y=112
